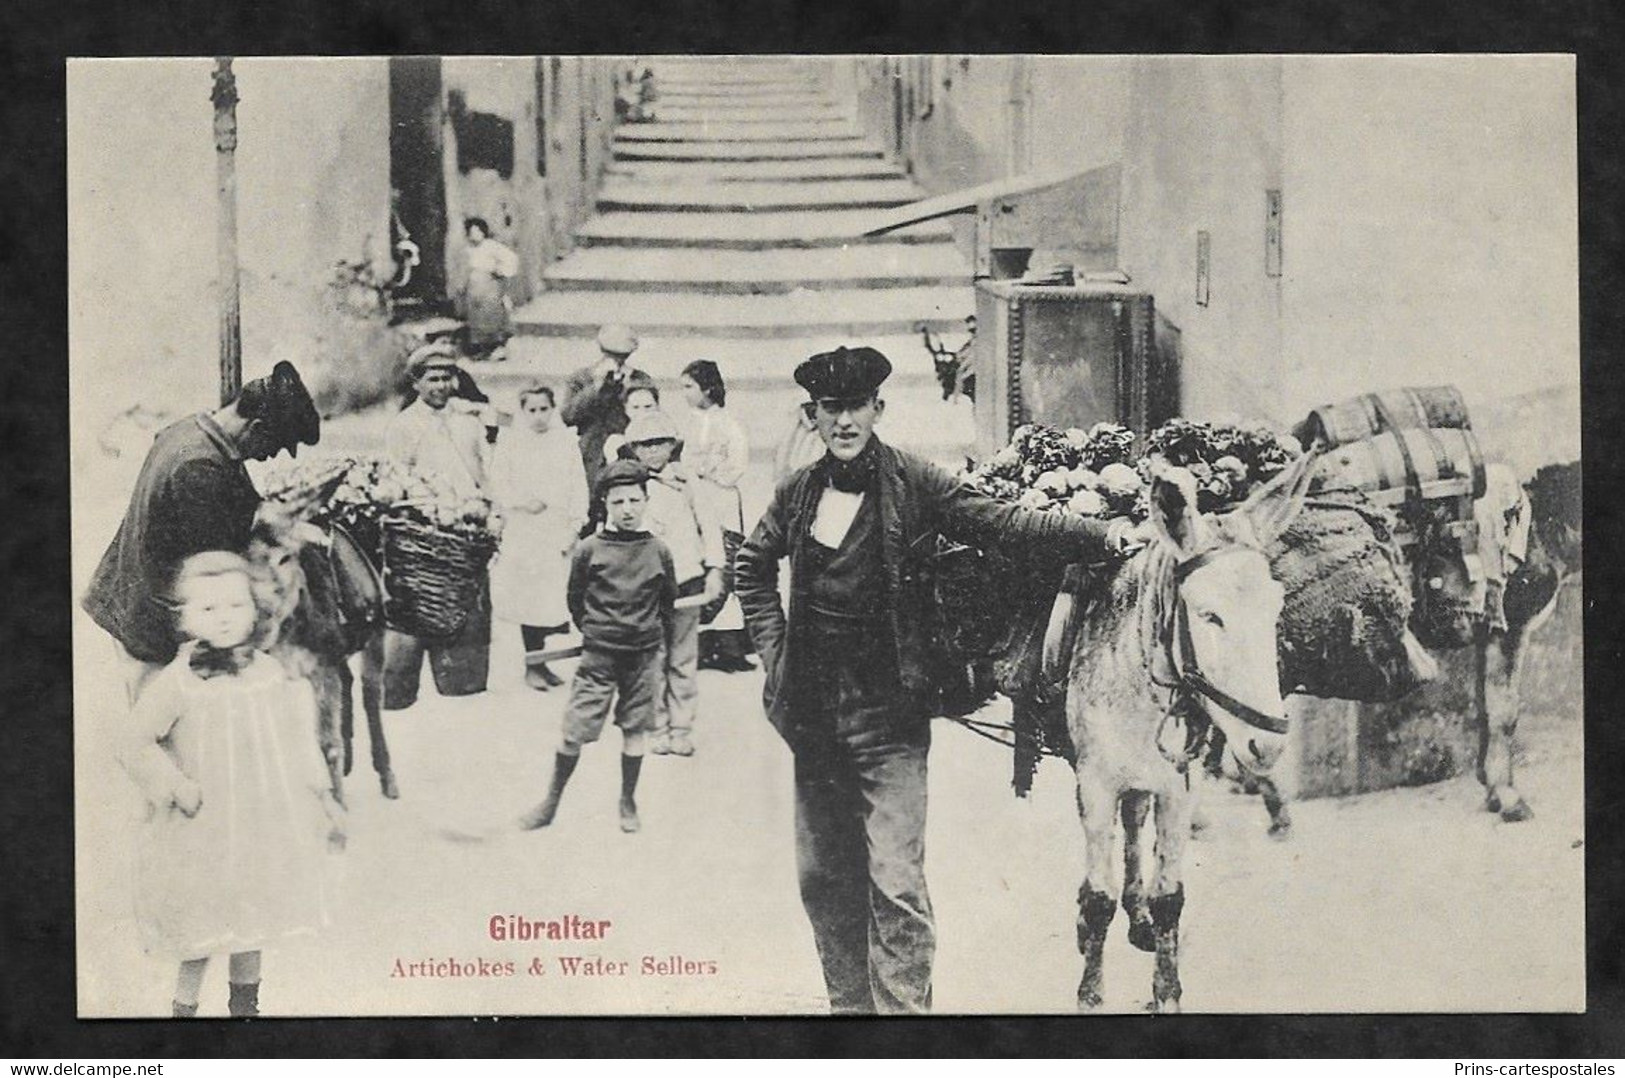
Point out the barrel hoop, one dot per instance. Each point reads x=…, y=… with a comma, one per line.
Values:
x=1413, y=481
x=1444, y=465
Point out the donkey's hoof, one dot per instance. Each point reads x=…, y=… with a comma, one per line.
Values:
x=1089, y=999
x=1518, y=813
x=1164, y=1006
x=386, y=782
x=1143, y=935
x=1280, y=830
x=1492, y=803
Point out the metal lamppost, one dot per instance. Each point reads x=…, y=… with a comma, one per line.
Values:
x=225, y=145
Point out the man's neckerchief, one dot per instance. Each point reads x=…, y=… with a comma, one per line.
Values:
x=853, y=476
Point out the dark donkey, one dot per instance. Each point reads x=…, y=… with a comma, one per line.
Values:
x=1530, y=542
x=327, y=605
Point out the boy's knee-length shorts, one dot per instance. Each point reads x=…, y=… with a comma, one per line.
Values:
x=632, y=680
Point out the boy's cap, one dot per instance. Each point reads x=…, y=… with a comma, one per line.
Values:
x=651, y=426
x=622, y=473
x=434, y=354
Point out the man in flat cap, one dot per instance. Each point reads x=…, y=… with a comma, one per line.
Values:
x=849, y=670
x=433, y=437
x=595, y=396
x=429, y=435
x=193, y=494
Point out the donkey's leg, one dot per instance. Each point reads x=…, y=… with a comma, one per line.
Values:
x=1275, y=804
x=324, y=680
x=1136, y=810
x=1168, y=893
x=346, y=711
x=1498, y=725
x=372, y=699
x=1097, y=807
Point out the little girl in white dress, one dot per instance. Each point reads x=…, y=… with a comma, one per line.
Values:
x=234, y=855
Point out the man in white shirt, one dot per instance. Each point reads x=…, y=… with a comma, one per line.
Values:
x=433, y=436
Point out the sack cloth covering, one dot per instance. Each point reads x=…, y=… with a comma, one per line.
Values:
x=1348, y=598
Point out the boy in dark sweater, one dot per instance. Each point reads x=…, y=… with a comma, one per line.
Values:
x=621, y=594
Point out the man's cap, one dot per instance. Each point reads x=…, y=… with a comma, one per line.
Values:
x=844, y=374
x=434, y=354
x=651, y=426
x=617, y=341
x=281, y=401
x=622, y=473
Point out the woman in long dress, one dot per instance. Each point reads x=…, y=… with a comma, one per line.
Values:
x=491, y=265
x=538, y=482
x=716, y=453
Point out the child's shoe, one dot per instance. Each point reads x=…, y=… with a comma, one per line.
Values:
x=536, y=679
x=681, y=745
x=660, y=743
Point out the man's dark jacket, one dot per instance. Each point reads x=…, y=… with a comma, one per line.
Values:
x=917, y=501
x=193, y=495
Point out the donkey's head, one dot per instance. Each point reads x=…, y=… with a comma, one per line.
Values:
x=1223, y=629
x=280, y=533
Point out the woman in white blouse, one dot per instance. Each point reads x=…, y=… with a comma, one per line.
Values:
x=716, y=454
x=491, y=265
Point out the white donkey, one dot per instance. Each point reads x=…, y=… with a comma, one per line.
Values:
x=1179, y=652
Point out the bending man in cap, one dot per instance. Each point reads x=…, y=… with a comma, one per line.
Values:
x=193, y=494
x=594, y=397
x=849, y=671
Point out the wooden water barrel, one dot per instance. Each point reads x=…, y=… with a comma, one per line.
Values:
x=1427, y=463
x=1414, y=408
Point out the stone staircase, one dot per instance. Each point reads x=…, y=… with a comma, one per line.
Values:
x=730, y=228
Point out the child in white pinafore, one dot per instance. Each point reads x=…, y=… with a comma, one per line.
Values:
x=234, y=855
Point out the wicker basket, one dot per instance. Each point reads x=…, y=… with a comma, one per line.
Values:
x=433, y=579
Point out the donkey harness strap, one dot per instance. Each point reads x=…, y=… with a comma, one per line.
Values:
x=1190, y=679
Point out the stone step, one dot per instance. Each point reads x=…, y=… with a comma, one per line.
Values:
x=759, y=272
x=726, y=172
x=807, y=312
x=740, y=84
x=659, y=131
x=725, y=101
x=750, y=231
x=711, y=150
x=758, y=197
x=762, y=394
x=788, y=114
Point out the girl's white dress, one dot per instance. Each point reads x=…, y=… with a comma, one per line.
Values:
x=717, y=454
x=532, y=569
x=252, y=866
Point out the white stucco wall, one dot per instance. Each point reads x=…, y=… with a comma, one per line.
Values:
x=1431, y=229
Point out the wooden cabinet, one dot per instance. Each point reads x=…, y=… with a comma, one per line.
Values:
x=1068, y=356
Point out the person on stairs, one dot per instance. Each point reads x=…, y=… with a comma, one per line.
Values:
x=621, y=595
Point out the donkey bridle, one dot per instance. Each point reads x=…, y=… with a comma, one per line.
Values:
x=1189, y=678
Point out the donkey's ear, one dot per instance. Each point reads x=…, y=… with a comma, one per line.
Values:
x=307, y=534
x=1173, y=507
x=1272, y=507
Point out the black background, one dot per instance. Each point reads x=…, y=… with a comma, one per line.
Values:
x=37, y=963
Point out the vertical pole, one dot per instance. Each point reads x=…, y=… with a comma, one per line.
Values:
x=225, y=145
